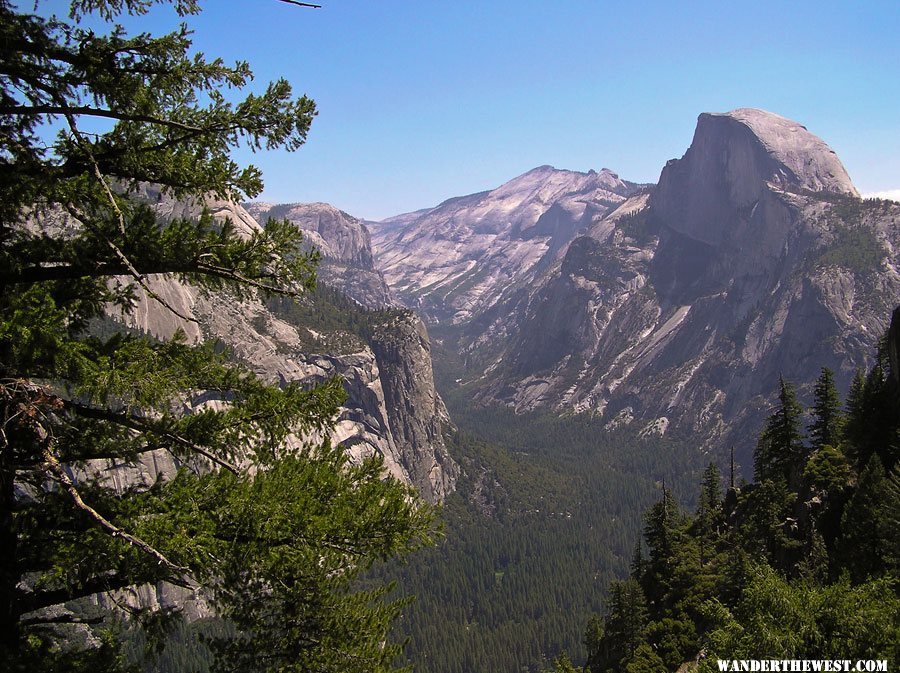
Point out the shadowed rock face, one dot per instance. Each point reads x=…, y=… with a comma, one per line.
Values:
x=344, y=243
x=678, y=310
x=416, y=413
x=894, y=346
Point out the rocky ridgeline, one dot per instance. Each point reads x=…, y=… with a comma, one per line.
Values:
x=673, y=308
x=458, y=260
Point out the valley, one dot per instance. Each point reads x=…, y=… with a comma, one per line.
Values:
x=596, y=341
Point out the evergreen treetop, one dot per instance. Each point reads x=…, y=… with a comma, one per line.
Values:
x=828, y=420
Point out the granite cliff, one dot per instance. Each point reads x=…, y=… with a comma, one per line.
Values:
x=342, y=240
x=391, y=409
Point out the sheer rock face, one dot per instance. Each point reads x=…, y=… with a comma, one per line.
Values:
x=459, y=259
x=677, y=311
x=415, y=411
x=344, y=243
x=391, y=409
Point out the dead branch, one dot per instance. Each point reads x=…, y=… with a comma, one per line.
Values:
x=302, y=4
x=63, y=478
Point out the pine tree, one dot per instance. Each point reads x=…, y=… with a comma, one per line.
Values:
x=814, y=565
x=562, y=664
x=828, y=421
x=854, y=428
x=868, y=525
x=709, y=511
x=623, y=627
x=663, y=535
x=780, y=453
x=645, y=660
x=874, y=425
x=276, y=537
x=637, y=562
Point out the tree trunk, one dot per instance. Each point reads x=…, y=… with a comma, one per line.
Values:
x=9, y=572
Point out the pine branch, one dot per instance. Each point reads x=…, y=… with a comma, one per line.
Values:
x=146, y=425
x=81, y=110
x=140, y=278
x=127, y=266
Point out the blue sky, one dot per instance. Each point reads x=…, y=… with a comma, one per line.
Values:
x=421, y=100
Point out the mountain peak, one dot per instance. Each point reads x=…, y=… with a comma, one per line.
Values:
x=547, y=182
x=803, y=159
x=733, y=172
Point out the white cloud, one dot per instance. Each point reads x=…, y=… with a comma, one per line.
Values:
x=891, y=194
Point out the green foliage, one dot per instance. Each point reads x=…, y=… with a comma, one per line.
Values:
x=645, y=660
x=869, y=542
x=542, y=520
x=339, y=323
x=777, y=619
x=273, y=533
x=853, y=248
x=828, y=420
x=623, y=628
x=303, y=530
x=638, y=226
x=562, y=664
x=828, y=470
x=709, y=519
x=780, y=453
x=802, y=564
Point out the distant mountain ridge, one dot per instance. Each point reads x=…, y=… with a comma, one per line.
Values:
x=456, y=260
x=673, y=308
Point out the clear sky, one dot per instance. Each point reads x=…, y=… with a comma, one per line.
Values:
x=421, y=100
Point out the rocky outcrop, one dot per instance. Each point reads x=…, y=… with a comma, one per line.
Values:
x=343, y=242
x=753, y=258
x=454, y=262
x=677, y=310
x=740, y=161
x=410, y=439
x=391, y=409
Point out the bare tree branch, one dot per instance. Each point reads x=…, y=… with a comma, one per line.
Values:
x=302, y=4
x=146, y=425
x=37, y=274
x=30, y=601
x=63, y=478
x=67, y=618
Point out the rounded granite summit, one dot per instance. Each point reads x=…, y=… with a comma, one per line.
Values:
x=809, y=162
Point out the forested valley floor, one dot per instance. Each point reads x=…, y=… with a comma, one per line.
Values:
x=545, y=517
x=547, y=558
